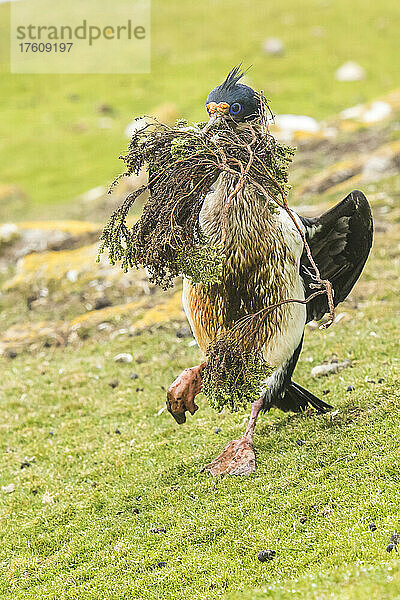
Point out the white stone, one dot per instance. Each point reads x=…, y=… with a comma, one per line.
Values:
x=273, y=46
x=47, y=498
x=368, y=113
x=378, y=111
x=94, y=194
x=353, y=112
x=8, y=233
x=8, y=489
x=292, y=123
x=329, y=368
x=376, y=167
x=104, y=326
x=330, y=132
x=350, y=71
x=123, y=357
x=72, y=275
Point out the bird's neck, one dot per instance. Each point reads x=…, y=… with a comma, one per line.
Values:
x=244, y=219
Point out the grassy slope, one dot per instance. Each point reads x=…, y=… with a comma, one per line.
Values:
x=193, y=45
x=88, y=543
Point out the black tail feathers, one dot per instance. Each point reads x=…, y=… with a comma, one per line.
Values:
x=297, y=398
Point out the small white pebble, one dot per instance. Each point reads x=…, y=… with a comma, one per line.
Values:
x=273, y=46
x=8, y=489
x=72, y=275
x=47, y=498
x=350, y=71
x=124, y=357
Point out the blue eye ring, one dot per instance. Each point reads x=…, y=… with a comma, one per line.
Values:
x=235, y=108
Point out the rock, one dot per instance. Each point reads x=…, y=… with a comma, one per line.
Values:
x=158, y=565
x=353, y=112
x=184, y=332
x=297, y=123
x=395, y=539
x=158, y=530
x=47, y=498
x=350, y=388
x=72, y=275
x=287, y=125
x=101, y=302
x=350, y=71
x=114, y=383
x=9, y=232
x=122, y=331
x=8, y=489
x=124, y=357
x=376, y=112
x=372, y=527
x=273, y=46
x=265, y=555
x=329, y=368
x=94, y=194
x=134, y=376
x=376, y=167
x=38, y=240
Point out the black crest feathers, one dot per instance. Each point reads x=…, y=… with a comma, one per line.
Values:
x=233, y=77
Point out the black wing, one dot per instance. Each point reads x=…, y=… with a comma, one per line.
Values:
x=340, y=241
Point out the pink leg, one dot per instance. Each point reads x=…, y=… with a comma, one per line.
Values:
x=238, y=457
x=181, y=393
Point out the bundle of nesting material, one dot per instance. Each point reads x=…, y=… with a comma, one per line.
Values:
x=183, y=163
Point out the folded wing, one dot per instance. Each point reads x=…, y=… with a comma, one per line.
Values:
x=340, y=241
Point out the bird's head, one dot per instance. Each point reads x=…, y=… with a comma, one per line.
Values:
x=232, y=100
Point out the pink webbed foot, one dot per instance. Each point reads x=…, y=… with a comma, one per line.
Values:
x=237, y=458
x=182, y=392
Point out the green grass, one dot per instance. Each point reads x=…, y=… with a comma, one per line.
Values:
x=346, y=583
x=57, y=406
x=52, y=145
x=71, y=529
